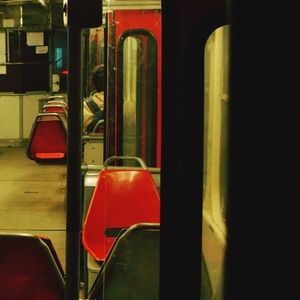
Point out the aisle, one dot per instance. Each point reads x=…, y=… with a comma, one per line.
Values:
x=32, y=197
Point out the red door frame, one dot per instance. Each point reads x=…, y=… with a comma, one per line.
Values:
x=120, y=21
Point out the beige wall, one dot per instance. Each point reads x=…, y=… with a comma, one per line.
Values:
x=17, y=113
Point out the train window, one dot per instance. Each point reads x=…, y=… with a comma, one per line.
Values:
x=93, y=55
x=96, y=47
x=26, y=63
x=215, y=151
x=59, y=66
x=132, y=50
x=137, y=97
x=58, y=58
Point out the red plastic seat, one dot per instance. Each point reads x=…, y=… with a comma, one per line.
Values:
x=57, y=108
x=48, y=138
x=29, y=269
x=57, y=99
x=122, y=198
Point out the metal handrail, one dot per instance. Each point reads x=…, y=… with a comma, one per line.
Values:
x=138, y=159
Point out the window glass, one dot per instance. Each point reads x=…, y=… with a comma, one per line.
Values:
x=26, y=61
x=131, y=55
x=138, y=96
x=215, y=152
x=59, y=66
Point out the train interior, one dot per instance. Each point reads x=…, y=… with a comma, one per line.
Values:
x=34, y=129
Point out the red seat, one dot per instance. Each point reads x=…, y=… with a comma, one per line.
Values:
x=122, y=197
x=58, y=99
x=58, y=108
x=29, y=269
x=48, y=138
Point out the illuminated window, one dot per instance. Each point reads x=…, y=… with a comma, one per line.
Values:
x=58, y=58
x=137, y=95
x=216, y=101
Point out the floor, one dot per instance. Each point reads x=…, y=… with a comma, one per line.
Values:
x=32, y=198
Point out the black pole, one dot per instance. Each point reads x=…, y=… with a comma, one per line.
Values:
x=73, y=165
x=264, y=100
x=80, y=14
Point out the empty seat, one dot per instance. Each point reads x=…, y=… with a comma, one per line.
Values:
x=29, y=269
x=60, y=98
x=56, y=103
x=99, y=127
x=55, y=100
x=123, y=196
x=131, y=271
x=55, y=107
x=48, y=138
x=48, y=242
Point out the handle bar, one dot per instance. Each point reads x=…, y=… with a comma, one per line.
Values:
x=112, y=158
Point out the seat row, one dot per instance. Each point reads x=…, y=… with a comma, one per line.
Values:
x=120, y=228
x=120, y=231
x=30, y=269
x=48, y=137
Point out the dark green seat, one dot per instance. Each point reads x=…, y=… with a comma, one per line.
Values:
x=131, y=270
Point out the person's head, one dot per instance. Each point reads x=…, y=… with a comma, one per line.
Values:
x=97, y=78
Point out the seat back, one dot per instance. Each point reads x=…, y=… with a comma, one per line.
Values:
x=57, y=98
x=48, y=138
x=29, y=269
x=131, y=270
x=48, y=242
x=122, y=197
x=99, y=127
x=52, y=107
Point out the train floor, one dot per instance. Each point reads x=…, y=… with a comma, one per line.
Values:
x=32, y=198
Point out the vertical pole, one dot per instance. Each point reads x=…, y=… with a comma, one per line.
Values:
x=80, y=14
x=73, y=165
